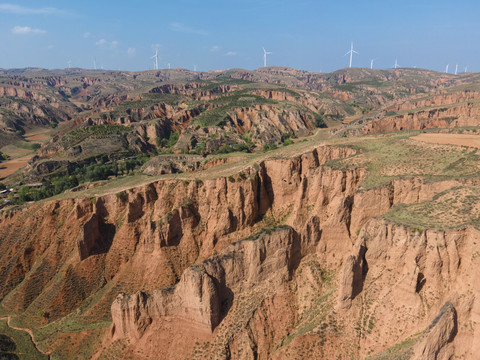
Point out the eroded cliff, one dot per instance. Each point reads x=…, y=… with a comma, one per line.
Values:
x=317, y=272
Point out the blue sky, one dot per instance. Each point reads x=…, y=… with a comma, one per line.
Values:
x=214, y=34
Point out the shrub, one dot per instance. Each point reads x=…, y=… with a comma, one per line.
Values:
x=122, y=195
x=268, y=147
x=320, y=121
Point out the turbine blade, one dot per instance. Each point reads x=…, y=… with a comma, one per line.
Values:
x=347, y=53
x=356, y=52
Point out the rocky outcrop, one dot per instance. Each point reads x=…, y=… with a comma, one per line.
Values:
x=20, y=94
x=411, y=274
x=355, y=269
x=204, y=291
x=195, y=90
x=95, y=237
x=437, y=100
x=437, y=340
x=171, y=164
x=462, y=116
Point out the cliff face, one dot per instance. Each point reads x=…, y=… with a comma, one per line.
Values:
x=332, y=281
x=276, y=294
x=459, y=109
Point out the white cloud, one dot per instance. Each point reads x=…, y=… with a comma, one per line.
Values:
x=87, y=35
x=231, y=53
x=178, y=27
x=26, y=30
x=131, y=52
x=107, y=44
x=23, y=10
x=215, y=48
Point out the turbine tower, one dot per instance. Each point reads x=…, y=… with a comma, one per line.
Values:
x=195, y=68
x=265, y=53
x=351, y=54
x=69, y=62
x=396, y=66
x=371, y=63
x=155, y=64
x=168, y=66
x=466, y=68
x=446, y=69
x=95, y=64
x=456, y=69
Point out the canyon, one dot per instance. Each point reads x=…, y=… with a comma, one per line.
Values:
x=357, y=239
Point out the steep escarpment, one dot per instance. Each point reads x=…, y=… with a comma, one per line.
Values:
x=430, y=271
x=57, y=255
x=286, y=259
x=386, y=299
x=445, y=110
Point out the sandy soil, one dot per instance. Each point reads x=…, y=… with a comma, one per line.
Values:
x=9, y=167
x=20, y=157
x=450, y=139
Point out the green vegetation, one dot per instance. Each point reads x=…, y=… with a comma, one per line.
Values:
x=219, y=115
x=236, y=147
x=171, y=141
x=268, y=147
x=95, y=131
x=28, y=145
x=287, y=139
x=402, y=351
x=346, y=87
x=16, y=344
x=214, y=117
x=319, y=120
x=454, y=208
x=100, y=170
x=396, y=157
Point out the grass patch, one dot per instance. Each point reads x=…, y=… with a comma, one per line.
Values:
x=76, y=136
x=17, y=344
x=451, y=209
x=402, y=351
x=396, y=156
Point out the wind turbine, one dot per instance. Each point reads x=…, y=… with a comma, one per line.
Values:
x=265, y=53
x=155, y=64
x=371, y=63
x=446, y=69
x=456, y=69
x=95, y=64
x=69, y=62
x=351, y=54
x=168, y=66
x=466, y=68
x=396, y=66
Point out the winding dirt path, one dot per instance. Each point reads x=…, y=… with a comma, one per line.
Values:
x=29, y=332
